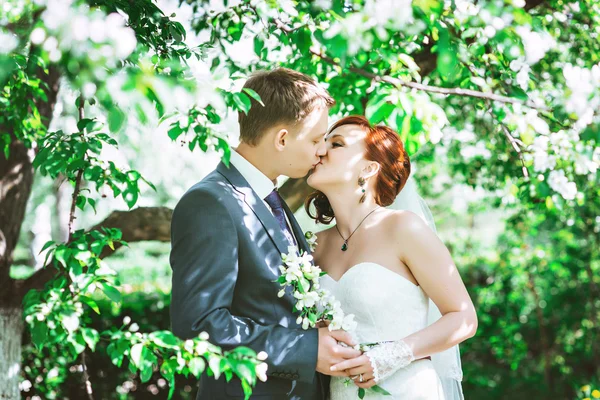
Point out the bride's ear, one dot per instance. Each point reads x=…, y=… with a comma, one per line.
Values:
x=371, y=170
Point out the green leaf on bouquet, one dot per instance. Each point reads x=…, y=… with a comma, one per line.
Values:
x=379, y=389
x=301, y=287
x=361, y=393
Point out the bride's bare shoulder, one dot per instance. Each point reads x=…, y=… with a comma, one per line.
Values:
x=400, y=223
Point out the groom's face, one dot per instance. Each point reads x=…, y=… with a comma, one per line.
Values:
x=306, y=145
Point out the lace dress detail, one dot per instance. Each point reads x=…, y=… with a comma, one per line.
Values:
x=388, y=358
x=387, y=308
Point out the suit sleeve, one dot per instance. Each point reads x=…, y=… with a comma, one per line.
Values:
x=204, y=260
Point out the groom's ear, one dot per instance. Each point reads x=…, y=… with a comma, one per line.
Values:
x=281, y=138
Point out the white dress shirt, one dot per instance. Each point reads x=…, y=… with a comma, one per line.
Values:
x=258, y=181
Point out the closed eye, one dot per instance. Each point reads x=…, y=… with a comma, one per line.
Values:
x=336, y=145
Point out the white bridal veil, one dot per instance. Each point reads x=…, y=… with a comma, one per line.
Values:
x=447, y=363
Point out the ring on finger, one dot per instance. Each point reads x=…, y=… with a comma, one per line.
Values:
x=360, y=378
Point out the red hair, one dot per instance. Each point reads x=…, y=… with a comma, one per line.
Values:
x=384, y=146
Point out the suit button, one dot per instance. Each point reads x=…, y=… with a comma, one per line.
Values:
x=296, y=376
x=275, y=374
x=289, y=376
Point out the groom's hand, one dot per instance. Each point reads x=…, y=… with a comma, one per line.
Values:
x=331, y=353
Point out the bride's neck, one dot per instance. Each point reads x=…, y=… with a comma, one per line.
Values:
x=349, y=212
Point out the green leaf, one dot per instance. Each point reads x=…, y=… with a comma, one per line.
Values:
x=116, y=117
x=146, y=373
x=361, y=393
x=82, y=123
x=92, y=203
x=111, y=292
x=48, y=244
x=196, y=366
x=91, y=337
x=259, y=44
x=254, y=95
x=244, y=351
x=80, y=202
x=39, y=333
x=175, y=131
x=90, y=302
x=379, y=389
x=138, y=354
x=164, y=339
x=379, y=112
x=242, y=101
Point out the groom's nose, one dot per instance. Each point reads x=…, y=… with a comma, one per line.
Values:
x=322, y=149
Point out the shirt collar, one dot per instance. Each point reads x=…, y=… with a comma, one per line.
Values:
x=258, y=181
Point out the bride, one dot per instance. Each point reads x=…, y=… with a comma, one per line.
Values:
x=388, y=268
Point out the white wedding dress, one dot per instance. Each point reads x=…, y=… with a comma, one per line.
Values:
x=386, y=307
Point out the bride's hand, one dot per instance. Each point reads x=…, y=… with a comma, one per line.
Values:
x=355, y=368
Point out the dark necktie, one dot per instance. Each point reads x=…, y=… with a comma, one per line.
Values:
x=275, y=201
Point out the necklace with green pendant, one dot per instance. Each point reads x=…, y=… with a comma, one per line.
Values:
x=345, y=245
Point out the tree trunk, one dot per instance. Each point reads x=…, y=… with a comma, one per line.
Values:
x=11, y=327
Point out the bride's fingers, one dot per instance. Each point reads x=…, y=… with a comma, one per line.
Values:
x=365, y=370
x=350, y=364
x=366, y=384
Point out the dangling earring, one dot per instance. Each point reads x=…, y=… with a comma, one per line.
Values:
x=361, y=183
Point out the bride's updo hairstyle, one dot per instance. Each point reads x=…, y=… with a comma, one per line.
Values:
x=383, y=145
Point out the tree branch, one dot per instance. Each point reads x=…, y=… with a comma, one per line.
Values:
x=139, y=224
x=431, y=89
x=415, y=85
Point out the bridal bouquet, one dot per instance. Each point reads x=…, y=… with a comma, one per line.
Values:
x=314, y=304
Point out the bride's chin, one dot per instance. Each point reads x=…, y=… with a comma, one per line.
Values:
x=312, y=181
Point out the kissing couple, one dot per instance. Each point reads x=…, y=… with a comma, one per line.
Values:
x=384, y=262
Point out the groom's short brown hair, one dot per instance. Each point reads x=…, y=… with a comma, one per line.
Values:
x=288, y=97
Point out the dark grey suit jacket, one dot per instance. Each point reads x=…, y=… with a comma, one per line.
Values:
x=226, y=249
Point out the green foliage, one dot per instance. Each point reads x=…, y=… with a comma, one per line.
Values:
x=504, y=95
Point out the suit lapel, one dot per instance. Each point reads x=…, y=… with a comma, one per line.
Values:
x=256, y=204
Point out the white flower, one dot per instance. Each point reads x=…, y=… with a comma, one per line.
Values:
x=560, y=183
x=281, y=293
x=478, y=150
x=536, y=44
x=348, y=323
x=261, y=371
x=543, y=162
x=262, y=356
x=38, y=35
x=393, y=14
x=584, y=165
x=305, y=323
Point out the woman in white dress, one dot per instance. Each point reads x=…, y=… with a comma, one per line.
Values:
x=385, y=266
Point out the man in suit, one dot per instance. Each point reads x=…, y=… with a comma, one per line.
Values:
x=228, y=232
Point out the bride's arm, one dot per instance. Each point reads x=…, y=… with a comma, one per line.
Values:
x=432, y=266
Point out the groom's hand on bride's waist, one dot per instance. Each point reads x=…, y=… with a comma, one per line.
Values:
x=331, y=352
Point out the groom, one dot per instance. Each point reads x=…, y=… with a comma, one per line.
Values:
x=228, y=232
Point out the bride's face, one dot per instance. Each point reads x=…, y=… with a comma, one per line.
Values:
x=344, y=159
